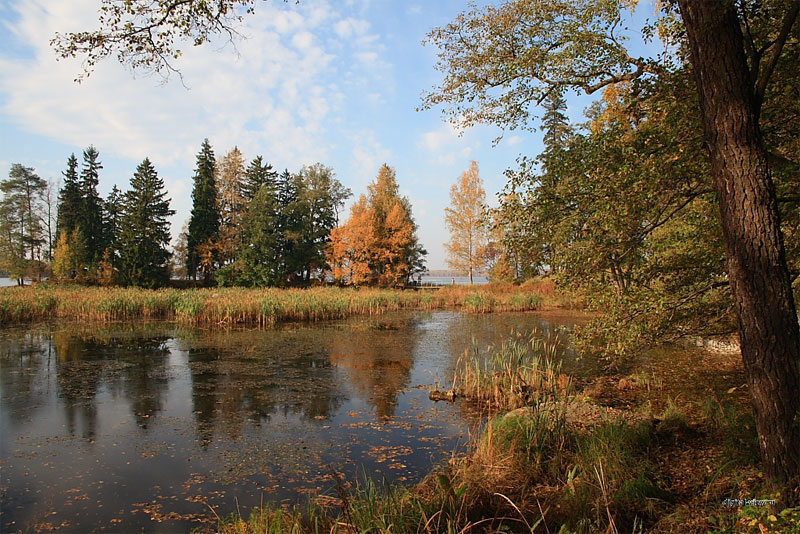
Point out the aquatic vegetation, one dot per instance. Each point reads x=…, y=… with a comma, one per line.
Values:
x=255, y=307
x=522, y=370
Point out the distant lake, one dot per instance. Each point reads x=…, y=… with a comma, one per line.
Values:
x=5, y=282
x=448, y=280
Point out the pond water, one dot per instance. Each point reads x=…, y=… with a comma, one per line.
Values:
x=130, y=428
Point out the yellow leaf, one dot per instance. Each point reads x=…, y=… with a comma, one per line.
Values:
x=732, y=389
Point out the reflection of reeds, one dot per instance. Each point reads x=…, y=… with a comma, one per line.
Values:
x=522, y=370
x=260, y=307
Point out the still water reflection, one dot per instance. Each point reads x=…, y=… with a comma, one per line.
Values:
x=143, y=427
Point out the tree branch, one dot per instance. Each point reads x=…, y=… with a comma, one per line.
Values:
x=786, y=27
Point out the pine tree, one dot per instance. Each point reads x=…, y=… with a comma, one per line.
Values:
x=91, y=215
x=112, y=213
x=258, y=174
x=261, y=257
x=20, y=225
x=288, y=223
x=145, y=230
x=69, y=199
x=205, y=218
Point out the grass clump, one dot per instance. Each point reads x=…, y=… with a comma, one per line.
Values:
x=524, y=369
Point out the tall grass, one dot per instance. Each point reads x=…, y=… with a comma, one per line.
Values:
x=522, y=370
x=227, y=306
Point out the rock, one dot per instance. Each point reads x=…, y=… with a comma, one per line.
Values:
x=438, y=395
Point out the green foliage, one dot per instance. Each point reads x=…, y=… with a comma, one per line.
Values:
x=21, y=231
x=69, y=257
x=622, y=208
x=205, y=218
x=90, y=217
x=145, y=230
x=69, y=198
x=258, y=173
x=316, y=212
x=111, y=224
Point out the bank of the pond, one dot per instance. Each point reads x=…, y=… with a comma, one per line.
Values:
x=670, y=447
x=257, y=307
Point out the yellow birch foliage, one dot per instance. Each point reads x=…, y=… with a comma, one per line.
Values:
x=464, y=220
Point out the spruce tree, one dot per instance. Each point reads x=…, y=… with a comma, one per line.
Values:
x=258, y=173
x=205, y=217
x=145, y=230
x=69, y=199
x=288, y=223
x=262, y=252
x=112, y=214
x=91, y=213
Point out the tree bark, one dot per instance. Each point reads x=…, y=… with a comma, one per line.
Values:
x=756, y=259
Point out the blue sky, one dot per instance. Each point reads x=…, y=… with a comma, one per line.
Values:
x=320, y=81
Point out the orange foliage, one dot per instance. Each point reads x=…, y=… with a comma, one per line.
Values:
x=372, y=247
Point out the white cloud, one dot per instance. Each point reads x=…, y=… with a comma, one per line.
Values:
x=367, y=155
x=514, y=140
x=270, y=98
x=350, y=27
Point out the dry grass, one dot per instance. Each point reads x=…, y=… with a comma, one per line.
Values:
x=257, y=307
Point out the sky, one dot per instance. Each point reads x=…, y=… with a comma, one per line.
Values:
x=335, y=82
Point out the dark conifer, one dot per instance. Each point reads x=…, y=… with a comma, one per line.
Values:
x=205, y=217
x=91, y=213
x=145, y=234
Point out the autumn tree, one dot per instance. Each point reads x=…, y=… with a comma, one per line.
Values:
x=503, y=60
x=378, y=243
x=69, y=256
x=352, y=247
x=466, y=223
x=232, y=203
x=145, y=230
x=205, y=218
x=180, y=252
x=48, y=215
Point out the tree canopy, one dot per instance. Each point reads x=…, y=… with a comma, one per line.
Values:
x=465, y=220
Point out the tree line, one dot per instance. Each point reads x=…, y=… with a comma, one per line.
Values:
x=249, y=226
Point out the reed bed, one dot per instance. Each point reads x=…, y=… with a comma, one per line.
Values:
x=523, y=370
x=231, y=306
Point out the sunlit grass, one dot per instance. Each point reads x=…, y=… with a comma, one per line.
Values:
x=522, y=370
x=229, y=306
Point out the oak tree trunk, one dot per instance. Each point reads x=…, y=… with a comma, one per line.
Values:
x=756, y=260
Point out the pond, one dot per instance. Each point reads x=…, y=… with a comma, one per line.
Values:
x=130, y=428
